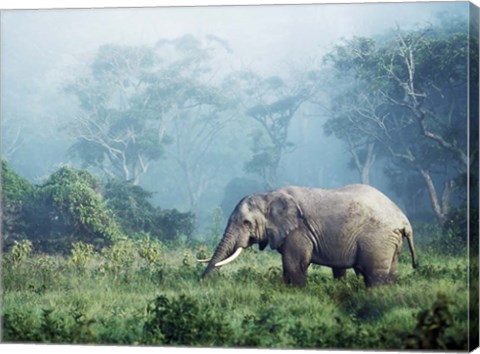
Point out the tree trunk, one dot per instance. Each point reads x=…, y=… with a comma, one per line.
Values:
x=440, y=208
x=365, y=166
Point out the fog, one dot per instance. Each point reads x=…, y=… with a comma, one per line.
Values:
x=42, y=51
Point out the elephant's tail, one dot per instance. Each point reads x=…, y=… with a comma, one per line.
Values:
x=408, y=234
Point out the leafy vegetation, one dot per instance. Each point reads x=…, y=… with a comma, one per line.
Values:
x=132, y=208
x=73, y=208
x=66, y=208
x=15, y=194
x=142, y=292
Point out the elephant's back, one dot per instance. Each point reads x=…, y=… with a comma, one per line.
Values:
x=361, y=197
x=348, y=202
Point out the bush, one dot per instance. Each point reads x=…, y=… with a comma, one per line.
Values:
x=15, y=191
x=68, y=208
x=81, y=253
x=50, y=327
x=262, y=330
x=136, y=215
x=120, y=257
x=431, y=327
x=19, y=253
x=184, y=321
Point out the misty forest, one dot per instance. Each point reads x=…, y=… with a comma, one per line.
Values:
x=128, y=136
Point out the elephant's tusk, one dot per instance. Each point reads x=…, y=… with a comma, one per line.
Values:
x=204, y=260
x=231, y=258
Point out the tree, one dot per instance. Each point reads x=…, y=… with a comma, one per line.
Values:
x=15, y=192
x=199, y=111
x=136, y=215
x=68, y=207
x=272, y=102
x=117, y=130
x=414, y=89
x=354, y=120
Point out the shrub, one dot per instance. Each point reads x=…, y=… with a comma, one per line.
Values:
x=150, y=250
x=431, y=327
x=51, y=327
x=120, y=257
x=15, y=191
x=19, y=252
x=184, y=321
x=68, y=208
x=136, y=215
x=262, y=330
x=81, y=253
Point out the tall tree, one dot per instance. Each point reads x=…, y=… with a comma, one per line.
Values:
x=197, y=111
x=412, y=103
x=116, y=130
x=272, y=102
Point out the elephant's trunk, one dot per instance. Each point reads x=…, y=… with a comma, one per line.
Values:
x=225, y=249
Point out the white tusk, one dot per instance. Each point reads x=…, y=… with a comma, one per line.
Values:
x=231, y=258
x=204, y=260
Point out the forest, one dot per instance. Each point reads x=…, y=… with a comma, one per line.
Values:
x=122, y=172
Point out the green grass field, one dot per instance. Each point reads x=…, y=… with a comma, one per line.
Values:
x=147, y=294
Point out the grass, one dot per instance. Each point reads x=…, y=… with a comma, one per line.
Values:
x=113, y=300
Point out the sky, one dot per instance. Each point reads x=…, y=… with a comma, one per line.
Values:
x=37, y=41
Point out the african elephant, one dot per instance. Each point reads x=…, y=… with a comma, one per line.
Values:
x=355, y=226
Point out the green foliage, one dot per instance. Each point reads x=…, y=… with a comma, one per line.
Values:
x=15, y=192
x=137, y=216
x=130, y=205
x=50, y=327
x=184, y=321
x=120, y=257
x=150, y=250
x=431, y=327
x=14, y=187
x=174, y=224
x=81, y=253
x=261, y=330
x=19, y=252
x=68, y=208
x=72, y=206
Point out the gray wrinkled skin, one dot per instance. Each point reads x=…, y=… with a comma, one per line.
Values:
x=355, y=226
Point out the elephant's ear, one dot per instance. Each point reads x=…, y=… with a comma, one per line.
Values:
x=284, y=216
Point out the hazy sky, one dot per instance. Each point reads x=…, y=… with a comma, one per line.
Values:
x=266, y=37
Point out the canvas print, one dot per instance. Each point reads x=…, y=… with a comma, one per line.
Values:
x=268, y=176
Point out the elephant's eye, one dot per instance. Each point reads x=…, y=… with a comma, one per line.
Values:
x=247, y=223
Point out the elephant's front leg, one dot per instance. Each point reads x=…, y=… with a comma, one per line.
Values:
x=296, y=257
x=339, y=273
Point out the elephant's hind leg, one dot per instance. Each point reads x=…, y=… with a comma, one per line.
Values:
x=392, y=274
x=377, y=270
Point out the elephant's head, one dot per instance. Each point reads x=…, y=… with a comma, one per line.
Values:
x=264, y=218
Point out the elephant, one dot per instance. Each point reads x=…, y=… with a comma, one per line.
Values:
x=355, y=226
